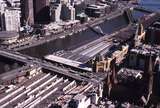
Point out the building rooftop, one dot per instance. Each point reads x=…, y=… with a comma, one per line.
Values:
x=79, y=97
x=147, y=50
x=129, y=74
x=8, y=35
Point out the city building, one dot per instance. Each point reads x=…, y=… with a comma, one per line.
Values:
x=62, y=11
x=55, y=9
x=80, y=101
x=8, y=37
x=139, y=57
x=14, y=3
x=10, y=15
x=41, y=11
x=67, y=12
x=97, y=10
x=79, y=8
x=27, y=12
x=12, y=19
x=35, y=11
x=3, y=5
x=153, y=32
x=54, y=61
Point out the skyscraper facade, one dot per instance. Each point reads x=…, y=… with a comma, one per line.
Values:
x=35, y=11
x=12, y=19
x=27, y=12
x=41, y=11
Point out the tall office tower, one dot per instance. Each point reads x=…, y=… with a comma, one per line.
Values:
x=79, y=8
x=27, y=12
x=62, y=10
x=67, y=1
x=41, y=11
x=12, y=19
x=67, y=12
x=3, y=5
x=55, y=10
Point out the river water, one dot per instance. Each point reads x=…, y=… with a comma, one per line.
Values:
x=77, y=39
x=150, y=4
x=73, y=42
x=87, y=35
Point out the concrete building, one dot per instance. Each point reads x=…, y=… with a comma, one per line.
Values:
x=55, y=10
x=10, y=15
x=8, y=37
x=79, y=8
x=97, y=10
x=41, y=11
x=62, y=10
x=35, y=11
x=3, y=5
x=152, y=34
x=14, y=3
x=116, y=54
x=80, y=101
x=27, y=12
x=67, y=12
x=12, y=19
x=139, y=57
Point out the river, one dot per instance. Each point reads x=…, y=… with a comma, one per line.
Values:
x=150, y=4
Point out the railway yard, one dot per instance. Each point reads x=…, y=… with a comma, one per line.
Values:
x=108, y=62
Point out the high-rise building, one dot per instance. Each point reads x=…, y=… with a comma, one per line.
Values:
x=55, y=10
x=67, y=12
x=41, y=11
x=79, y=8
x=27, y=12
x=10, y=15
x=35, y=11
x=3, y=5
x=12, y=19
x=62, y=10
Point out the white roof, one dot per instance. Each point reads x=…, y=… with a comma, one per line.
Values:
x=79, y=97
x=67, y=62
x=53, y=26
